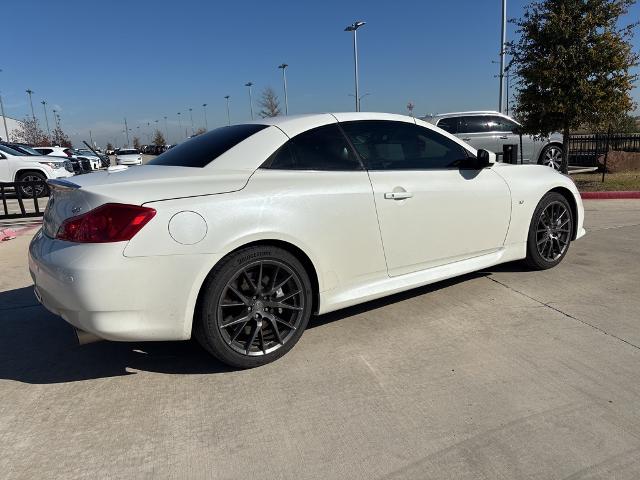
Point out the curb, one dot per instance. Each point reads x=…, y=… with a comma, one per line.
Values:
x=609, y=195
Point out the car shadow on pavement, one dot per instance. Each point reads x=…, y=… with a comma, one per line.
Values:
x=40, y=348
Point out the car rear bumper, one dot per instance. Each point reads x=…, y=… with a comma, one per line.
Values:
x=95, y=288
x=127, y=161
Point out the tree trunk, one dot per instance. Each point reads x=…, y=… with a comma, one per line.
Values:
x=565, y=149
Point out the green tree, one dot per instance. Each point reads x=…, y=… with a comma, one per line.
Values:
x=269, y=103
x=158, y=138
x=573, y=62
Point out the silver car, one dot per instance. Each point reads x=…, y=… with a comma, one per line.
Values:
x=491, y=130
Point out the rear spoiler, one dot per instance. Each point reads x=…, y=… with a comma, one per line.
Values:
x=59, y=183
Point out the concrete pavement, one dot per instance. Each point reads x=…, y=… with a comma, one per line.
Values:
x=499, y=374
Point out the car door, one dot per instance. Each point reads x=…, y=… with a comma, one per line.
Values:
x=475, y=130
x=5, y=170
x=504, y=132
x=433, y=207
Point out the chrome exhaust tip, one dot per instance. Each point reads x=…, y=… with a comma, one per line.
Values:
x=86, y=337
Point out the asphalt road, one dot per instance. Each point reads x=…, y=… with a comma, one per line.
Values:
x=500, y=374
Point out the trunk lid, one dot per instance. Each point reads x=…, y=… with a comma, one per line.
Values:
x=135, y=186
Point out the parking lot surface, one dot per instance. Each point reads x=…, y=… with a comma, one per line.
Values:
x=499, y=374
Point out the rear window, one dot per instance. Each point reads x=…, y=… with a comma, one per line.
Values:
x=203, y=149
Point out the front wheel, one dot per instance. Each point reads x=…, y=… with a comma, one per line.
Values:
x=254, y=306
x=550, y=232
x=33, y=180
x=551, y=156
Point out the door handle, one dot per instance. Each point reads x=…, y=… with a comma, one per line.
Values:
x=397, y=195
x=466, y=139
x=504, y=137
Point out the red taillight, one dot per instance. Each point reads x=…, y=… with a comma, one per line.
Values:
x=111, y=222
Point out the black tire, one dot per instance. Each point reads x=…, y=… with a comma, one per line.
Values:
x=551, y=156
x=276, y=316
x=26, y=189
x=550, y=232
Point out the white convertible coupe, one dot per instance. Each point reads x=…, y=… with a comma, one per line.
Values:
x=239, y=235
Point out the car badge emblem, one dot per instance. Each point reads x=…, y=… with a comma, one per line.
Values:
x=76, y=209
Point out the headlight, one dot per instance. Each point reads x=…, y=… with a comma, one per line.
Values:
x=54, y=165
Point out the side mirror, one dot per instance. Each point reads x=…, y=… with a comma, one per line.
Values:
x=485, y=158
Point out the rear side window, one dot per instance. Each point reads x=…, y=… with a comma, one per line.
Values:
x=322, y=148
x=203, y=149
x=449, y=124
x=45, y=151
x=475, y=124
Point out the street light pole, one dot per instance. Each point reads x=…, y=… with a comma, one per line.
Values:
x=284, y=80
x=502, y=53
x=191, y=115
x=206, y=124
x=30, y=92
x=4, y=119
x=46, y=117
x=228, y=115
x=126, y=128
x=180, y=123
x=354, y=28
x=166, y=128
x=250, y=84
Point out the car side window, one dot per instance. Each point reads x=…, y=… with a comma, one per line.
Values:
x=474, y=124
x=501, y=124
x=389, y=145
x=321, y=148
x=449, y=124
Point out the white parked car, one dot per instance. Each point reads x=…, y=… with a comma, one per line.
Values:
x=95, y=161
x=239, y=235
x=491, y=130
x=16, y=166
x=128, y=156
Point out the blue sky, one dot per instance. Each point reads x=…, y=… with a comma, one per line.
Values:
x=98, y=62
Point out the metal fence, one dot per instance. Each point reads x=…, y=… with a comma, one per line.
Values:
x=584, y=150
x=23, y=199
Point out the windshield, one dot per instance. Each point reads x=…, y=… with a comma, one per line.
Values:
x=128, y=152
x=11, y=151
x=29, y=150
x=205, y=148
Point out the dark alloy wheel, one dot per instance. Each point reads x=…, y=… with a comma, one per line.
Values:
x=551, y=156
x=31, y=180
x=255, y=306
x=550, y=232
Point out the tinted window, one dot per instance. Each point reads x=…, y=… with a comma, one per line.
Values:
x=386, y=145
x=10, y=151
x=203, y=149
x=475, y=124
x=449, y=124
x=128, y=152
x=501, y=124
x=45, y=151
x=322, y=148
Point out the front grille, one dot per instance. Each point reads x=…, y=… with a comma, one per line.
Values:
x=68, y=166
x=86, y=165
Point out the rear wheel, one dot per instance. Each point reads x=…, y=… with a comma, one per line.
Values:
x=254, y=307
x=550, y=232
x=33, y=180
x=551, y=156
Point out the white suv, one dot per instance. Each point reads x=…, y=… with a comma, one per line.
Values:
x=18, y=167
x=128, y=156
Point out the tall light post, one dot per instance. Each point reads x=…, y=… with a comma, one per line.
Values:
x=226, y=97
x=31, y=92
x=206, y=124
x=126, y=129
x=4, y=119
x=180, y=123
x=503, y=41
x=284, y=66
x=46, y=117
x=250, y=84
x=354, y=28
x=191, y=115
x=166, y=128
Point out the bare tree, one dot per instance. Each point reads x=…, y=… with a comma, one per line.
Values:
x=269, y=103
x=136, y=143
x=158, y=138
x=200, y=131
x=29, y=131
x=60, y=138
